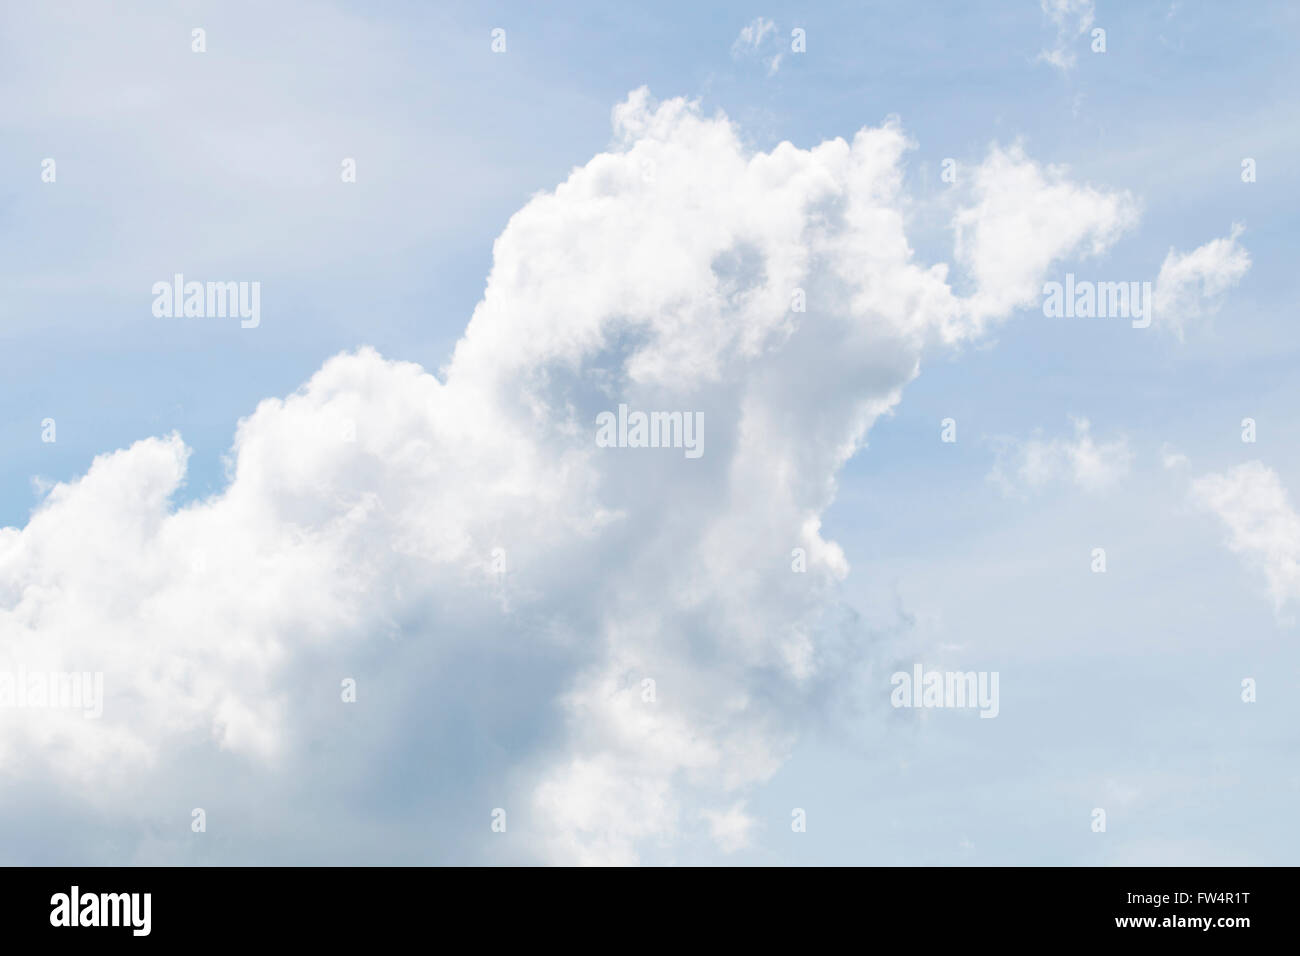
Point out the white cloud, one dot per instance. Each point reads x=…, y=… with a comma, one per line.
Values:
x=1072, y=19
x=1192, y=284
x=753, y=37
x=224, y=627
x=730, y=828
x=1171, y=458
x=1024, y=217
x=1035, y=463
x=1263, y=527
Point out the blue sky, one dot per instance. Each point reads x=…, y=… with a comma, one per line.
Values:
x=1168, y=111
x=1119, y=690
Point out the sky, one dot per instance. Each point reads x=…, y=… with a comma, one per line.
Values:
x=394, y=482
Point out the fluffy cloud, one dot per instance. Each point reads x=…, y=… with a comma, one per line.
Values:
x=1023, y=218
x=1262, y=524
x=1036, y=462
x=608, y=643
x=1193, y=284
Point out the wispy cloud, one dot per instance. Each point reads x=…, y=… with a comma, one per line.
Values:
x=1034, y=463
x=1072, y=19
x=1191, y=285
x=756, y=37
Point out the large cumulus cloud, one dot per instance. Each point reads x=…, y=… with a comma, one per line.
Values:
x=357, y=535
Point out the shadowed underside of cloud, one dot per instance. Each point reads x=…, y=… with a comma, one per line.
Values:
x=356, y=536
